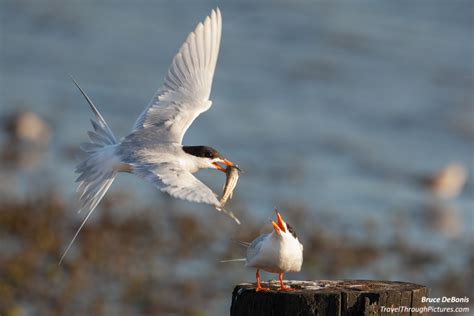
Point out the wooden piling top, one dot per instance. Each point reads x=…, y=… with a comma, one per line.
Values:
x=328, y=297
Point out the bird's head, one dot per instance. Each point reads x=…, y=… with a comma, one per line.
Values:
x=208, y=157
x=282, y=228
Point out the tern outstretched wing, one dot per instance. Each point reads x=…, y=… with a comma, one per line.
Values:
x=185, y=92
x=180, y=183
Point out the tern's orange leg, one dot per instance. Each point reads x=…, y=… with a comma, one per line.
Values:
x=282, y=285
x=259, y=288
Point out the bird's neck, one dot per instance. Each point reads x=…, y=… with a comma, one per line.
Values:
x=193, y=163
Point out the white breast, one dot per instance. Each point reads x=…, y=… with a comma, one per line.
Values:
x=276, y=254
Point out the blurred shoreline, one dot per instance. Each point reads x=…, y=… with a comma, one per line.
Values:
x=146, y=263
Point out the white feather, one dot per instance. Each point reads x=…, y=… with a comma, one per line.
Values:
x=180, y=183
x=97, y=170
x=187, y=87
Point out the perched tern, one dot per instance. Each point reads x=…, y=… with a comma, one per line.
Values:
x=277, y=252
x=154, y=150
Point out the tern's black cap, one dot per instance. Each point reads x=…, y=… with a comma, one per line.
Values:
x=202, y=151
x=291, y=230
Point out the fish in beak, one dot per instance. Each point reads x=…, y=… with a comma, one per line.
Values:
x=279, y=226
x=225, y=162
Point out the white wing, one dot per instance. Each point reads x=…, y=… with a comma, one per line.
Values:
x=180, y=183
x=187, y=86
x=254, y=248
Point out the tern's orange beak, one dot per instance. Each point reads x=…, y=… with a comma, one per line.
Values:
x=226, y=162
x=279, y=226
x=276, y=227
x=218, y=167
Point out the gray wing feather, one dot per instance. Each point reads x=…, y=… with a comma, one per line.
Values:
x=180, y=183
x=185, y=92
x=177, y=182
x=255, y=246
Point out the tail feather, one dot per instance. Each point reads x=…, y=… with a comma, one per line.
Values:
x=97, y=170
x=242, y=243
x=100, y=119
x=233, y=260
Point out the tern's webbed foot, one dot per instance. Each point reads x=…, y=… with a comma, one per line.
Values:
x=262, y=289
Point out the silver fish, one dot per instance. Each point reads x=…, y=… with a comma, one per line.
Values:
x=232, y=176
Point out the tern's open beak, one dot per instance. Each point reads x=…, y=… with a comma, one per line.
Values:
x=276, y=227
x=218, y=167
x=225, y=162
x=228, y=163
x=279, y=226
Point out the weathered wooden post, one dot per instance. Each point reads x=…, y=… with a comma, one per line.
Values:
x=346, y=297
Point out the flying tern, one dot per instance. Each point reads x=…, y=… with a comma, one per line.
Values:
x=154, y=150
x=277, y=252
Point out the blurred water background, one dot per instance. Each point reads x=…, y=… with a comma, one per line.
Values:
x=340, y=113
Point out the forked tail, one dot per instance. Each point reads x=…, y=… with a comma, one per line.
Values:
x=97, y=170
